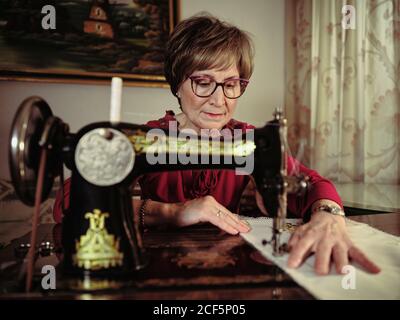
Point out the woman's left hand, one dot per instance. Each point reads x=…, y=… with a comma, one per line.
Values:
x=326, y=236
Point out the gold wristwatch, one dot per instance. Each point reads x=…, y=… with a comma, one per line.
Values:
x=330, y=209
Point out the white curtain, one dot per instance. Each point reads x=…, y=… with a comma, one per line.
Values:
x=343, y=88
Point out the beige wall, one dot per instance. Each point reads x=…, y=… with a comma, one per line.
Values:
x=79, y=105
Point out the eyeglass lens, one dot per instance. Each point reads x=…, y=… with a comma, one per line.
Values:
x=205, y=87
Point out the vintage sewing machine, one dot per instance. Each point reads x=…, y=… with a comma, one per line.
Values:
x=101, y=236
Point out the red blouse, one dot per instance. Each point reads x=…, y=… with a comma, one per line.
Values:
x=224, y=185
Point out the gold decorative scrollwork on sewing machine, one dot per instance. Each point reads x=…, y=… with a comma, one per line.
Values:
x=97, y=249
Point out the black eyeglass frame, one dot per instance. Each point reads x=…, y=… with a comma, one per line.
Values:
x=243, y=84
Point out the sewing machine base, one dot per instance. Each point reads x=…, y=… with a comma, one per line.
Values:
x=198, y=262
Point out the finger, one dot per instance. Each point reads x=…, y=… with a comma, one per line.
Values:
x=219, y=218
x=358, y=256
x=242, y=225
x=300, y=251
x=294, y=239
x=223, y=224
x=323, y=257
x=296, y=236
x=340, y=256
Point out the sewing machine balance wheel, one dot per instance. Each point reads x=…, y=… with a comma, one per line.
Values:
x=34, y=127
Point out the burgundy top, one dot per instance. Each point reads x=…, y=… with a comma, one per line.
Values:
x=224, y=185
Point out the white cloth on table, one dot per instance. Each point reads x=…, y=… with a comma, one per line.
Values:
x=380, y=247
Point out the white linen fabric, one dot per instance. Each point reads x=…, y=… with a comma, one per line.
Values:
x=381, y=247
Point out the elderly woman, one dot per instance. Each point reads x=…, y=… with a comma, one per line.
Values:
x=208, y=66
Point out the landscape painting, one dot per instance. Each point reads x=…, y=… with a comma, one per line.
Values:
x=81, y=40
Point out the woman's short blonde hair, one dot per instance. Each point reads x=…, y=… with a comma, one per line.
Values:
x=203, y=42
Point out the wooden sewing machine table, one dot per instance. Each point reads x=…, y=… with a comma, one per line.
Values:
x=198, y=262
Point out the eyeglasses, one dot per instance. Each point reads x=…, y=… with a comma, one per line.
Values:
x=204, y=87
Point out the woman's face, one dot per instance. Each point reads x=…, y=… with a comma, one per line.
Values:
x=212, y=112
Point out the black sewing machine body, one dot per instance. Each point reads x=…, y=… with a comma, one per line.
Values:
x=101, y=236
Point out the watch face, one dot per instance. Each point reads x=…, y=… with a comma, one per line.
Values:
x=332, y=210
x=338, y=211
x=335, y=210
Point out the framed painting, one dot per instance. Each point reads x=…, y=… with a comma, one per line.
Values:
x=86, y=41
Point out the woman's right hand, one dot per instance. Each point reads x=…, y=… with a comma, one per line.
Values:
x=207, y=209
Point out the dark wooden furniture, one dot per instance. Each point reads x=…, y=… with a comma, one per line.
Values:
x=198, y=262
